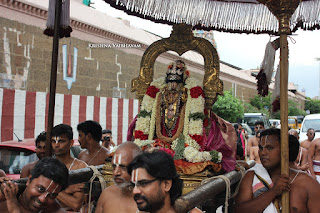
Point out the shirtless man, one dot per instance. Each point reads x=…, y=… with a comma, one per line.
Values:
x=47, y=179
x=254, y=141
x=90, y=133
x=114, y=197
x=254, y=154
x=62, y=141
x=306, y=143
x=255, y=193
x=40, y=151
x=314, y=159
x=254, y=150
x=301, y=163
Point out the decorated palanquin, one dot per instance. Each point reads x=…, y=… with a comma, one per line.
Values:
x=173, y=118
x=175, y=113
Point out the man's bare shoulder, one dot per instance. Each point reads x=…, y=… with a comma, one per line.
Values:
x=79, y=164
x=253, y=141
x=110, y=194
x=111, y=189
x=304, y=180
x=26, y=170
x=316, y=141
x=105, y=151
x=82, y=154
x=32, y=164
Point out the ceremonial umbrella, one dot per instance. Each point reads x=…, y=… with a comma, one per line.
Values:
x=277, y=17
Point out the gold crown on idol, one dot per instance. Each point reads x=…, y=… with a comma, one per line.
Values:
x=177, y=71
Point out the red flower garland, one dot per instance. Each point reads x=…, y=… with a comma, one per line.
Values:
x=138, y=134
x=198, y=138
x=195, y=92
x=152, y=91
x=168, y=151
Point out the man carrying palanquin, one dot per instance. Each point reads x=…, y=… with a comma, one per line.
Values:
x=173, y=118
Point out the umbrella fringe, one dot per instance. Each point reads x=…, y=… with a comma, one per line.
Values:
x=224, y=16
x=65, y=28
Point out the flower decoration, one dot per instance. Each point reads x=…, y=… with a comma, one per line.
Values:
x=188, y=73
x=139, y=135
x=188, y=145
x=198, y=138
x=195, y=92
x=152, y=91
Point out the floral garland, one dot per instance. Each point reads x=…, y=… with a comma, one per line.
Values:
x=192, y=138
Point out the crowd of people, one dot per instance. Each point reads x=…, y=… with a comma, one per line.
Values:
x=148, y=181
x=144, y=182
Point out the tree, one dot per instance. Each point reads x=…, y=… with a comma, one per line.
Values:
x=228, y=107
x=312, y=105
x=262, y=103
x=293, y=109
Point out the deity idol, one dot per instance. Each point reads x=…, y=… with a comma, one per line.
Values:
x=172, y=117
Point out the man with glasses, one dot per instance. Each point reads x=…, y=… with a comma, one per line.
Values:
x=119, y=198
x=254, y=141
x=156, y=184
x=47, y=179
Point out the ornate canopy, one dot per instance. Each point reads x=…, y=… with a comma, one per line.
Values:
x=237, y=16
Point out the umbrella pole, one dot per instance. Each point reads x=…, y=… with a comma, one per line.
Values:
x=284, y=116
x=53, y=77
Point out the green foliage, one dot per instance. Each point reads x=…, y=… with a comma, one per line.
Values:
x=144, y=113
x=248, y=108
x=228, y=107
x=196, y=116
x=179, y=150
x=312, y=105
x=261, y=102
x=293, y=109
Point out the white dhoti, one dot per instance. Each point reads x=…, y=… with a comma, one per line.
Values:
x=316, y=169
x=262, y=183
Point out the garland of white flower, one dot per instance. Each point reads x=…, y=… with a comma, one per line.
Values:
x=153, y=118
x=146, y=124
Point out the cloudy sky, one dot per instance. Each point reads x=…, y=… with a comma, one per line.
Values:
x=247, y=51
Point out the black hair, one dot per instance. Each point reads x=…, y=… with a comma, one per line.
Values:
x=106, y=131
x=91, y=127
x=293, y=142
x=310, y=129
x=235, y=126
x=259, y=123
x=41, y=137
x=62, y=129
x=53, y=169
x=160, y=165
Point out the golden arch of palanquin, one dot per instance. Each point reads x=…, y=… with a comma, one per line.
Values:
x=180, y=41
